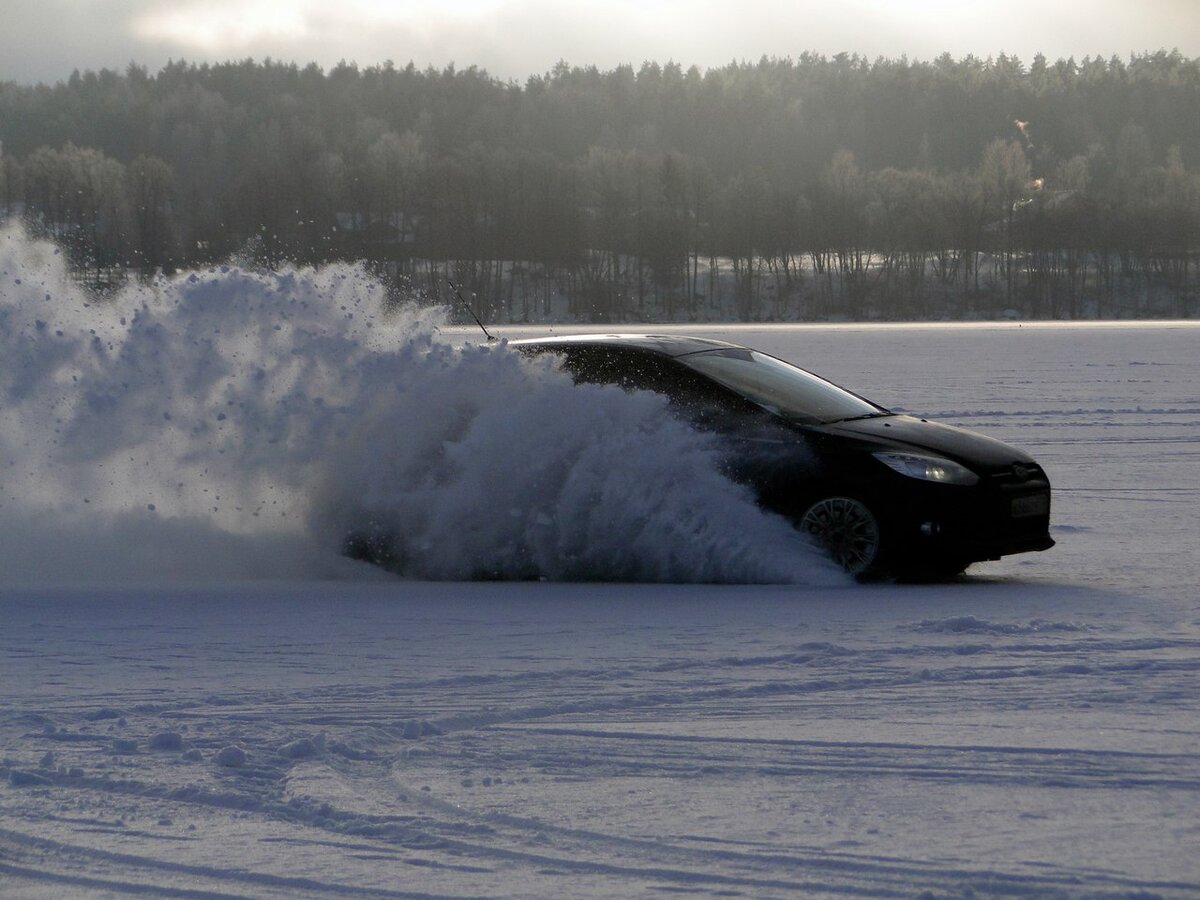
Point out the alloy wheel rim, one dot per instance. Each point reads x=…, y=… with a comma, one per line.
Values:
x=847, y=529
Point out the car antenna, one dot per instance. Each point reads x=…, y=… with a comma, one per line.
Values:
x=467, y=307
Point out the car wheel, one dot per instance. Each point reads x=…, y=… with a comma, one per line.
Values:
x=848, y=530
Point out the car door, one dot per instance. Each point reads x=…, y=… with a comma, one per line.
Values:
x=758, y=449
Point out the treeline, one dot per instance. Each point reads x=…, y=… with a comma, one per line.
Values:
x=788, y=189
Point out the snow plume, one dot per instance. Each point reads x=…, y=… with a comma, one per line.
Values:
x=234, y=424
x=479, y=462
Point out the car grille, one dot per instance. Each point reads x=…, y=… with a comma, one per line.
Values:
x=1022, y=500
x=1019, y=474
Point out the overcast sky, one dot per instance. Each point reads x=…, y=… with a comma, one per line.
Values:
x=44, y=40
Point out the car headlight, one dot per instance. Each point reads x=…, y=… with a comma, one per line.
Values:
x=927, y=468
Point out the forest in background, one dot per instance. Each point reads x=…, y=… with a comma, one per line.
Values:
x=812, y=188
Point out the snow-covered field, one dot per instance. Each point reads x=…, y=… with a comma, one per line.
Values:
x=202, y=700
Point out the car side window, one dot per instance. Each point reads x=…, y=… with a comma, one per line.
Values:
x=589, y=366
x=632, y=370
x=696, y=398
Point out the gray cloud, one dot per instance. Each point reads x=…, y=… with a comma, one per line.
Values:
x=45, y=41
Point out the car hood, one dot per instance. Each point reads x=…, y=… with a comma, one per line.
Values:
x=920, y=435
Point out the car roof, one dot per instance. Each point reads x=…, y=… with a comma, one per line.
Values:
x=665, y=344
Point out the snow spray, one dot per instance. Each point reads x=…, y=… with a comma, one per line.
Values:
x=232, y=424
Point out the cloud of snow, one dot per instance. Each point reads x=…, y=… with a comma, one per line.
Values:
x=236, y=424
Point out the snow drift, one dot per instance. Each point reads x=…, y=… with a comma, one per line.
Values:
x=238, y=424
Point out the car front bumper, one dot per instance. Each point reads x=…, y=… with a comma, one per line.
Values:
x=986, y=521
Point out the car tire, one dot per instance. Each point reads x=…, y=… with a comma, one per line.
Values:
x=849, y=531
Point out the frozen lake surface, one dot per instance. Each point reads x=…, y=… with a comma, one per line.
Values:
x=1028, y=730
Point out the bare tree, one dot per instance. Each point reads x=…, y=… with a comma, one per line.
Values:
x=151, y=190
x=1005, y=177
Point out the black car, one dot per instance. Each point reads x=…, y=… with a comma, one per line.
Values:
x=885, y=493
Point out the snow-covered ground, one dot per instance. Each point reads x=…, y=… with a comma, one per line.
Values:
x=204, y=702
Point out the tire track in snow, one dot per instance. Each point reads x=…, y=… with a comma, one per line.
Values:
x=137, y=868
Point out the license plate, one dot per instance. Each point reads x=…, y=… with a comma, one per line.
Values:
x=1033, y=505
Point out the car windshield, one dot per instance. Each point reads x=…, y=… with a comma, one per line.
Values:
x=780, y=387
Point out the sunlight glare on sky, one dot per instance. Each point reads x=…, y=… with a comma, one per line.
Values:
x=232, y=26
x=513, y=39
x=212, y=26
